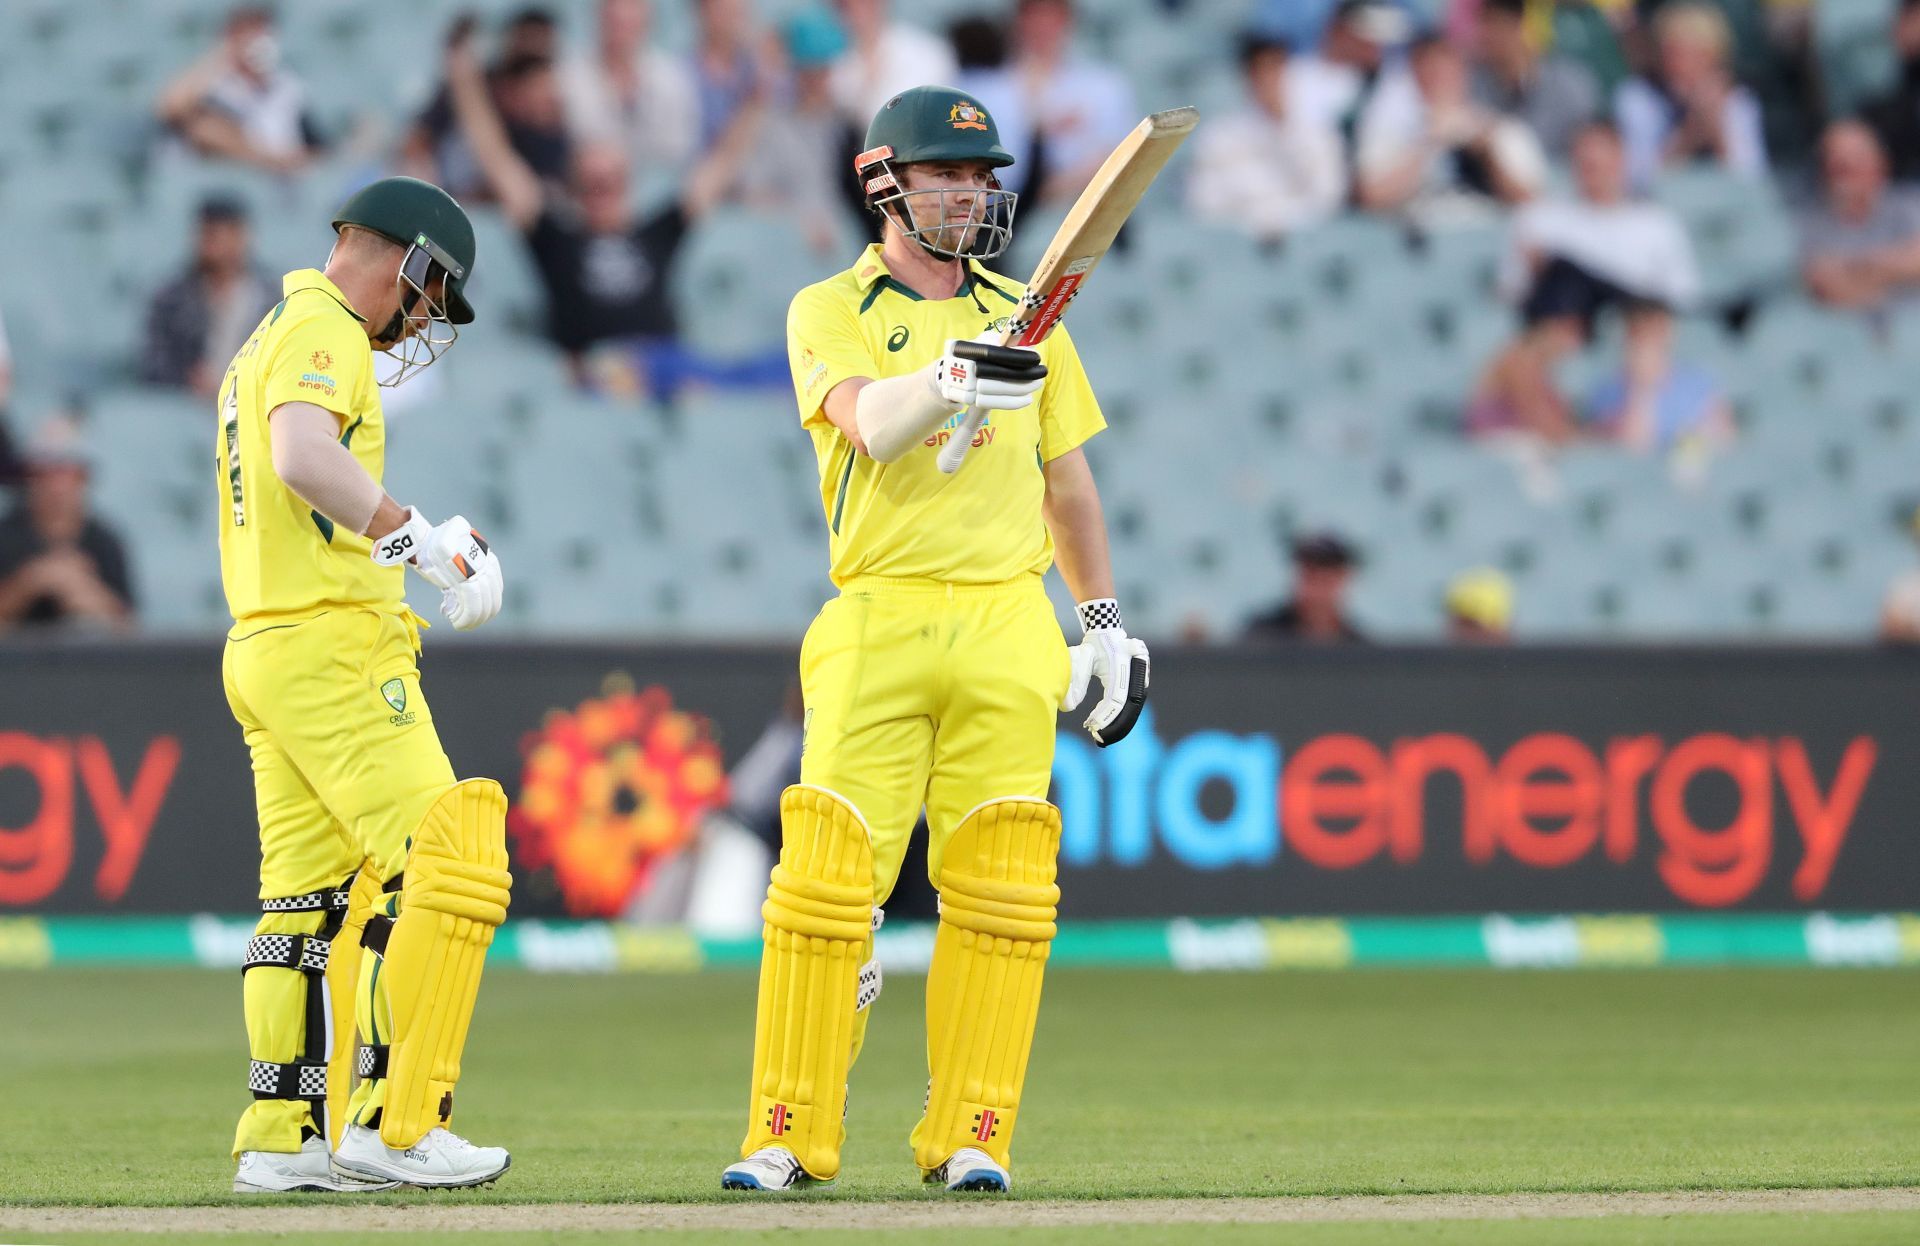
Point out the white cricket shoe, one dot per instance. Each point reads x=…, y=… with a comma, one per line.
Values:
x=970, y=1168
x=771, y=1168
x=305, y=1170
x=441, y=1160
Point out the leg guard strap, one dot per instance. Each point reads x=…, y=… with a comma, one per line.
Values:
x=330, y=901
x=370, y=1061
x=302, y=1079
x=311, y=955
x=379, y=930
x=306, y=953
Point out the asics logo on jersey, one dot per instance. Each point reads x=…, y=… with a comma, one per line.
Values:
x=899, y=338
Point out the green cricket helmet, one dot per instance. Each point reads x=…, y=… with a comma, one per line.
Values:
x=438, y=240
x=929, y=124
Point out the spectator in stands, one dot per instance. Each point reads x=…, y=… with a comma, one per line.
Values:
x=728, y=67
x=886, y=58
x=1323, y=566
x=1691, y=110
x=1437, y=157
x=1587, y=32
x=1895, y=116
x=199, y=319
x=607, y=270
x=1900, y=611
x=1301, y=24
x=238, y=102
x=806, y=147
x=980, y=45
x=1262, y=169
x=1860, y=244
x=1080, y=108
x=432, y=146
x=1333, y=85
x=629, y=92
x=526, y=93
x=58, y=564
x=1480, y=608
x=1568, y=261
x=1553, y=95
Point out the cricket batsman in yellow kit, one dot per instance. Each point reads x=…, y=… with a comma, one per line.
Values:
x=933, y=680
x=382, y=878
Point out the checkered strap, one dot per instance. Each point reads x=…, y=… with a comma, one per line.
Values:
x=1098, y=613
x=307, y=953
x=312, y=902
x=869, y=987
x=370, y=1061
x=302, y=1079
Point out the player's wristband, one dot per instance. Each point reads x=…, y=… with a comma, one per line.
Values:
x=403, y=542
x=1101, y=612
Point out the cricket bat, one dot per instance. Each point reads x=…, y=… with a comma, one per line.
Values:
x=1103, y=207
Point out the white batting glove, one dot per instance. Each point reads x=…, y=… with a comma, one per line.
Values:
x=992, y=378
x=454, y=559
x=1119, y=660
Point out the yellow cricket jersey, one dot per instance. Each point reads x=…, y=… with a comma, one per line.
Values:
x=281, y=560
x=983, y=523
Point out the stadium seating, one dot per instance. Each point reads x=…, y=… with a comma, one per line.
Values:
x=1252, y=392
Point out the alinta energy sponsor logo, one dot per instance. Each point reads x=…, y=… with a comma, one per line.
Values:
x=944, y=434
x=74, y=786
x=609, y=790
x=1548, y=801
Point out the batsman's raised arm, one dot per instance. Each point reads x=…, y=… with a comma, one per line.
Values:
x=886, y=419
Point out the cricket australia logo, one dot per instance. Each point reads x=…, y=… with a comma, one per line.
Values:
x=966, y=116
x=395, y=693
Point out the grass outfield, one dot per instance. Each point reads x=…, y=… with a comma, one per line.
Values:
x=1862, y=1229
x=121, y=1088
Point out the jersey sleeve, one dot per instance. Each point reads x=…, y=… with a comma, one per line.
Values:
x=824, y=348
x=320, y=358
x=1069, y=413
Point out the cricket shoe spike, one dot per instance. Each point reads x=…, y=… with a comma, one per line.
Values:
x=302, y=1171
x=770, y=1169
x=442, y=1160
x=970, y=1168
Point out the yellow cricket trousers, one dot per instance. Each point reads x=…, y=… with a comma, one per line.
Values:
x=346, y=764
x=923, y=693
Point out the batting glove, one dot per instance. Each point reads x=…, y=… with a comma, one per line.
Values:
x=993, y=378
x=1119, y=660
x=454, y=559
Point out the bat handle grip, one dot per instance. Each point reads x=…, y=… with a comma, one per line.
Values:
x=955, y=451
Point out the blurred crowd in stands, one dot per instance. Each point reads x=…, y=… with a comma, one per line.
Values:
x=1552, y=119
